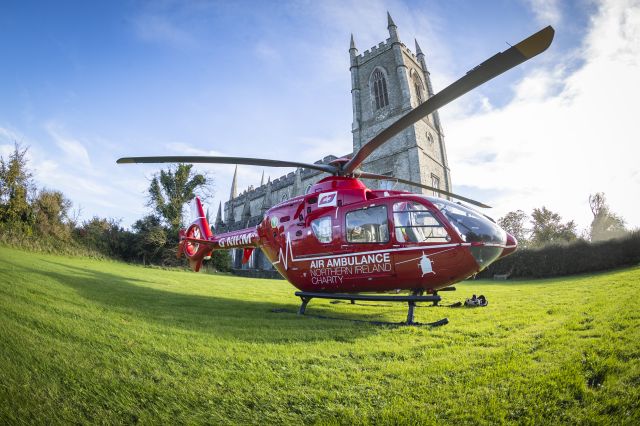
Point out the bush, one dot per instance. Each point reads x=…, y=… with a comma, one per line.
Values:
x=576, y=258
x=105, y=236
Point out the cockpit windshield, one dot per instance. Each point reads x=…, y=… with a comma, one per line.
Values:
x=470, y=224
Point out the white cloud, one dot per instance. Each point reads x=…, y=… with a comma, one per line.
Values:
x=5, y=151
x=74, y=150
x=314, y=149
x=555, y=147
x=8, y=139
x=546, y=11
x=97, y=189
x=10, y=136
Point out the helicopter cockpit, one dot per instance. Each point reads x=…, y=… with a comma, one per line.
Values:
x=474, y=227
x=470, y=224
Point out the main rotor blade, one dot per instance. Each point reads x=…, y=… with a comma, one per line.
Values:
x=492, y=67
x=365, y=175
x=228, y=160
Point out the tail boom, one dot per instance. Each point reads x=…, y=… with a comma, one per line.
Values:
x=198, y=242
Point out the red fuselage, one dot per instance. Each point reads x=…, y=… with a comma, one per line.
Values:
x=345, y=237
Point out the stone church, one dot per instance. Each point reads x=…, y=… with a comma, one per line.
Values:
x=387, y=81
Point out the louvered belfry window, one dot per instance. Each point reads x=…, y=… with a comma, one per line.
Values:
x=417, y=84
x=380, y=89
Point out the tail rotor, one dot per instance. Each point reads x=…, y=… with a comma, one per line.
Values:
x=192, y=239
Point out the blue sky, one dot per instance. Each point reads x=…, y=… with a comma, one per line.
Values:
x=83, y=83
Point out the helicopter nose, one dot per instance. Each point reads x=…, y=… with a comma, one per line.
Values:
x=511, y=246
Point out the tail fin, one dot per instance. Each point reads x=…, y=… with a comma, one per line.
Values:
x=198, y=230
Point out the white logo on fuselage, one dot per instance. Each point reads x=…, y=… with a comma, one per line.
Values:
x=328, y=199
x=237, y=240
x=425, y=265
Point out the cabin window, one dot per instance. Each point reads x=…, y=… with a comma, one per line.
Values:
x=368, y=225
x=415, y=224
x=322, y=229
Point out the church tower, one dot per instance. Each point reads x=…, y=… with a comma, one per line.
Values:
x=386, y=82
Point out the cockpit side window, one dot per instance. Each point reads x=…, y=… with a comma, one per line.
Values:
x=322, y=229
x=414, y=223
x=368, y=225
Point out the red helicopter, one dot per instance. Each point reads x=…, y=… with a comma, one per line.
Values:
x=342, y=239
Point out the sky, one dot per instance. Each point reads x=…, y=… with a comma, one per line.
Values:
x=84, y=83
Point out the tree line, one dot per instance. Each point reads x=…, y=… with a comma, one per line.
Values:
x=545, y=227
x=43, y=219
x=550, y=247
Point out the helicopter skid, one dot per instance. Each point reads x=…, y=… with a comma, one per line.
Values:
x=411, y=300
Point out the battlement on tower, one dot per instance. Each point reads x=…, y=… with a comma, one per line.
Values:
x=381, y=48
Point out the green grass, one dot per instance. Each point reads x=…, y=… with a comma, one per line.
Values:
x=89, y=341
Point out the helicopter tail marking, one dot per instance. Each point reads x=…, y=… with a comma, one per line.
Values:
x=288, y=251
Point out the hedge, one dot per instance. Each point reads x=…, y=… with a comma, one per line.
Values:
x=576, y=258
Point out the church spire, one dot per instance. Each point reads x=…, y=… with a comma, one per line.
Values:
x=418, y=50
x=234, y=184
x=219, y=215
x=262, y=179
x=393, y=29
x=390, y=22
x=427, y=76
x=353, y=52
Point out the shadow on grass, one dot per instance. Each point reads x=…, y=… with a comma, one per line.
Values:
x=245, y=320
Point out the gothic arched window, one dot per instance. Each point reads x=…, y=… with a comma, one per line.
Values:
x=380, y=89
x=417, y=85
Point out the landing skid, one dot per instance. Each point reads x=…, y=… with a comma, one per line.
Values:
x=411, y=300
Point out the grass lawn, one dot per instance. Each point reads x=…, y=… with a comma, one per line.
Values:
x=86, y=341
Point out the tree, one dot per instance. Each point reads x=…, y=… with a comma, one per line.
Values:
x=547, y=228
x=150, y=237
x=606, y=224
x=50, y=209
x=514, y=224
x=171, y=189
x=16, y=185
